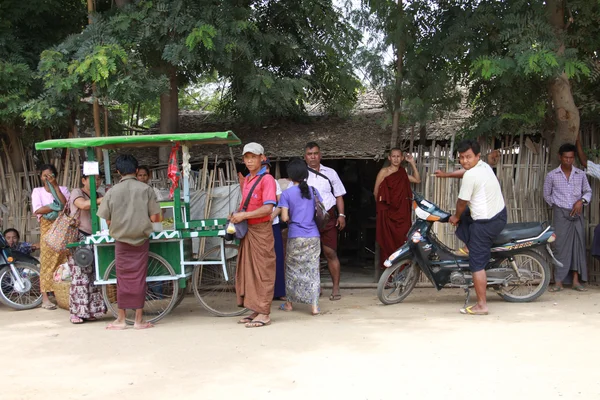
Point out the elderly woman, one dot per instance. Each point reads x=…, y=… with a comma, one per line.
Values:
x=46, y=202
x=85, y=298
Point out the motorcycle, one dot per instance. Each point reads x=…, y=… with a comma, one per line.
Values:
x=518, y=269
x=19, y=278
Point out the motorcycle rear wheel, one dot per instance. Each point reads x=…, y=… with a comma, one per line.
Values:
x=397, y=281
x=535, y=271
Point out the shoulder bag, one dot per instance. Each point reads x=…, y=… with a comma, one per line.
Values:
x=65, y=230
x=241, y=228
x=322, y=217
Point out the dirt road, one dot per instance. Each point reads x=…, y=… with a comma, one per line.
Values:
x=358, y=349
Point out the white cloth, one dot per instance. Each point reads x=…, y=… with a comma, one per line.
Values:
x=277, y=193
x=480, y=187
x=593, y=169
x=323, y=186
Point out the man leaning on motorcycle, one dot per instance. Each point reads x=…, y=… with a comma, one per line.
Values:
x=480, y=216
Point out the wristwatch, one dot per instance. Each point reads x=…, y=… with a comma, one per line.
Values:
x=342, y=215
x=584, y=201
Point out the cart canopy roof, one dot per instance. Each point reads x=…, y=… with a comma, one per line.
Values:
x=163, y=139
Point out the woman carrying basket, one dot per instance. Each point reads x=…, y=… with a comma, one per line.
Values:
x=46, y=202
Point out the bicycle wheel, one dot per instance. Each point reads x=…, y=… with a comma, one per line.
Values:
x=161, y=295
x=212, y=290
x=23, y=297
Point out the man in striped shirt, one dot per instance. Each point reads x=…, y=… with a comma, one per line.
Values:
x=567, y=191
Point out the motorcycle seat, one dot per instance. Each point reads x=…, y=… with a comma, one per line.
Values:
x=522, y=230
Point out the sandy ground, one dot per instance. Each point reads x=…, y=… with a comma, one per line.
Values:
x=358, y=349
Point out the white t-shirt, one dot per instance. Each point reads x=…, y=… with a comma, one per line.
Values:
x=277, y=193
x=481, y=189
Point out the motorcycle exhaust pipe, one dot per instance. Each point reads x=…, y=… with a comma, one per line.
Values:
x=556, y=263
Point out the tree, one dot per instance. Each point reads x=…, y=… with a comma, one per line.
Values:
x=524, y=58
x=27, y=28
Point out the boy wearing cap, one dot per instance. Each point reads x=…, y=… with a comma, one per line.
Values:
x=255, y=275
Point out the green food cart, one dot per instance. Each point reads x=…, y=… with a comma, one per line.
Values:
x=171, y=266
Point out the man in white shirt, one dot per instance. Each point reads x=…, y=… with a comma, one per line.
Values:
x=329, y=185
x=482, y=221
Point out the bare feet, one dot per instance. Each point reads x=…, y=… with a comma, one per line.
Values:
x=143, y=325
x=315, y=310
x=116, y=326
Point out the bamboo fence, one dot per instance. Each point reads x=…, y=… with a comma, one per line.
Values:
x=521, y=170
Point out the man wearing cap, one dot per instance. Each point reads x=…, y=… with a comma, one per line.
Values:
x=329, y=185
x=255, y=275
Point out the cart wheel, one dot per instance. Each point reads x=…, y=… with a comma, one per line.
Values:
x=161, y=296
x=215, y=293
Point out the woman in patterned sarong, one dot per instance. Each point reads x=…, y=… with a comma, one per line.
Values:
x=85, y=299
x=302, y=278
x=46, y=201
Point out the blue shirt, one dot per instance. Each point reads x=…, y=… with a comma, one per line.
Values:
x=302, y=212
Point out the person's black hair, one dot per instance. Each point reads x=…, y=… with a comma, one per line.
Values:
x=567, y=148
x=50, y=167
x=12, y=230
x=126, y=164
x=467, y=144
x=298, y=172
x=311, y=145
x=144, y=168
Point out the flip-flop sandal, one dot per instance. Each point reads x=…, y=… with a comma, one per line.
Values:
x=49, y=306
x=317, y=313
x=145, y=325
x=335, y=297
x=282, y=308
x=76, y=320
x=246, y=320
x=257, y=324
x=113, y=327
x=579, y=288
x=469, y=311
x=555, y=289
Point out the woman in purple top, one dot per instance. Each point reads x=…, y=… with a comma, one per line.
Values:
x=297, y=203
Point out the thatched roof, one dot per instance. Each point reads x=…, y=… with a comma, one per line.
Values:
x=365, y=134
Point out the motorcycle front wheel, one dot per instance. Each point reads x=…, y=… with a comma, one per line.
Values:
x=23, y=297
x=397, y=281
x=534, y=280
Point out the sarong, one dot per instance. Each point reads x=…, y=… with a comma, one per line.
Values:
x=132, y=269
x=393, y=213
x=302, y=278
x=49, y=259
x=329, y=234
x=280, y=270
x=85, y=298
x=479, y=236
x=255, y=274
x=569, y=245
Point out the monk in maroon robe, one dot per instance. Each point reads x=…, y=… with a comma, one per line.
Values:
x=393, y=212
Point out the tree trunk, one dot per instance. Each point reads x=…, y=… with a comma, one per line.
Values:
x=423, y=134
x=566, y=113
x=398, y=87
x=169, y=113
x=14, y=148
